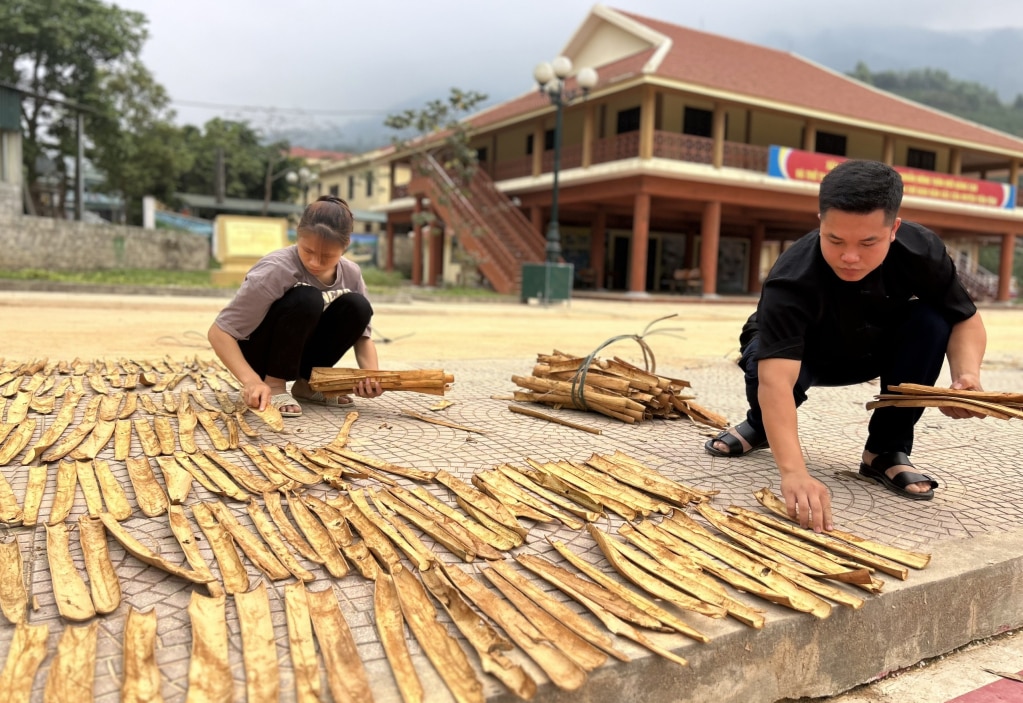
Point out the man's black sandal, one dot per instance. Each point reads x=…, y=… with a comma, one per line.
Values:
x=757, y=440
x=875, y=471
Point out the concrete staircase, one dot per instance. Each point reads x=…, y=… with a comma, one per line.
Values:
x=489, y=227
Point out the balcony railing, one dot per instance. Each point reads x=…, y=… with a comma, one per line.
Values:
x=513, y=168
x=400, y=191
x=686, y=147
x=616, y=148
x=571, y=157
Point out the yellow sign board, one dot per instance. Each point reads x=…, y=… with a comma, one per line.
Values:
x=242, y=241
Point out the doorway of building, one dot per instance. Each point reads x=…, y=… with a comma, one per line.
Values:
x=620, y=262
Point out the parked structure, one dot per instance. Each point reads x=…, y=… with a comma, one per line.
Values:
x=691, y=164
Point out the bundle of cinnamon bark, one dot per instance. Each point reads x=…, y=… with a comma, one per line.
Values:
x=611, y=387
x=333, y=380
x=1004, y=406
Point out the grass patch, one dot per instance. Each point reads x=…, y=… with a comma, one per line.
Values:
x=126, y=277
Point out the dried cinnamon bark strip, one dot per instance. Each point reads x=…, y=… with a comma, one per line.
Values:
x=340, y=440
x=491, y=506
x=90, y=486
x=248, y=480
x=69, y=590
x=141, y=683
x=209, y=423
x=351, y=469
x=253, y=547
x=565, y=615
x=13, y=594
x=354, y=550
x=103, y=583
x=414, y=549
x=265, y=466
x=217, y=475
x=17, y=440
x=379, y=465
x=916, y=560
x=488, y=644
x=556, y=492
x=113, y=494
x=186, y=427
x=131, y=401
x=146, y=401
x=271, y=416
x=203, y=403
x=265, y=526
x=463, y=549
x=606, y=497
x=799, y=599
x=209, y=669
x=34, y=491
x=443, y=651
x=297, y=455
x=478, y=531
x=60, y=423
x=277, y=457
x=621, y=591
x=224, y=401
x=442, y=516
x=232, y=571
x=164, y=434
x=73, y=670
x=584, y=654
x=686, y=576
x=17, y=411
x=301, y=646
x=151, y=445
x=272, y=501
x=185, y=462
x=181, y=528
x=42, y=404
x=259, y=649
x=27, y=651
x=146, y=555
x=178, y=481
x=773, y=545
x=63, y=500
x=318, y=537
x=109, y=406
x=346, y=675
x=389, y=622
x=376, y=540
x=559, y=667
x=611, y=621
x=653, y=584
x=61, y=449
x=244, y=426
x=519, y=501
x=438, y=421
x=149, y=495
x=96, y=441
x=122, y=439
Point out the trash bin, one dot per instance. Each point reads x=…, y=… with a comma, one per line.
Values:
x=547, y=282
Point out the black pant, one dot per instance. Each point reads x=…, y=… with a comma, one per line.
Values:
x=298, y=333
x=913, y=352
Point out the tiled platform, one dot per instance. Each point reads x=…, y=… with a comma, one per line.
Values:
x=973, y=528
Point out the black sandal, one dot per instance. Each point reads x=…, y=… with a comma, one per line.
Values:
x=875, y=471
x=757, y=440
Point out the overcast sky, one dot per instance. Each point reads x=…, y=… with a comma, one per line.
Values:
x=360, y=56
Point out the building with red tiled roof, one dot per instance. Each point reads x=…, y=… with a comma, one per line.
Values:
x=694, y=158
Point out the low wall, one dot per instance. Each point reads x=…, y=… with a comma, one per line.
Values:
x=10, y=200
x=63, y=245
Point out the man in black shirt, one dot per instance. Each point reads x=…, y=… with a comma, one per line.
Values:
x=864, y=296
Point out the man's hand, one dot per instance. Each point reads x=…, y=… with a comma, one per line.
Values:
x=368, y=388
x=807, y=500
x=966, y=382
x=256, y=394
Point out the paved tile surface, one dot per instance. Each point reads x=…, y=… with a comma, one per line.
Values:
x=972, y=459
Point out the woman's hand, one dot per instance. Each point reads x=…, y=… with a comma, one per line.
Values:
x=256, y=394
x=368, y=388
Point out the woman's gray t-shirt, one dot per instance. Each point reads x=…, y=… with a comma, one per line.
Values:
x=273, y=276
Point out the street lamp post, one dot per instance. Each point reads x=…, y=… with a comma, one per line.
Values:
x=304, y=177
x=551, y=79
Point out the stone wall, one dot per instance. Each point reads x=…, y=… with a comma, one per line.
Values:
x=10, y=200
x=62, y=245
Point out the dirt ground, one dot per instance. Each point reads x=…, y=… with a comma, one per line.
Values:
x=62, y=325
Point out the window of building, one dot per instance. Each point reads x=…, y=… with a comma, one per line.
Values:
x=828, y=143
x=548, y=140
x=921, y=158
x=481, y=154
x=698, y=122
x=351, y=187
x=335, y=191
x=529, y=144
x=628, y=120
x=369, y=184
x=367, y=227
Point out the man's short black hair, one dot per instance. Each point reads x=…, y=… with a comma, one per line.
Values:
x=862, y=187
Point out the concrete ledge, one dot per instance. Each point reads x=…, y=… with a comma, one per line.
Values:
x=972, y=589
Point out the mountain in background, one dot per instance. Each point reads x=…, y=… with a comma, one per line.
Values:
x=989, y=57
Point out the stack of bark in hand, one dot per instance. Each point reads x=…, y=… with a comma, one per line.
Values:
x=1003, y=406
x=332, y=380
x=611, y=387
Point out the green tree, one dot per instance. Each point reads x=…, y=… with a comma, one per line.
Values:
x=65, y=49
